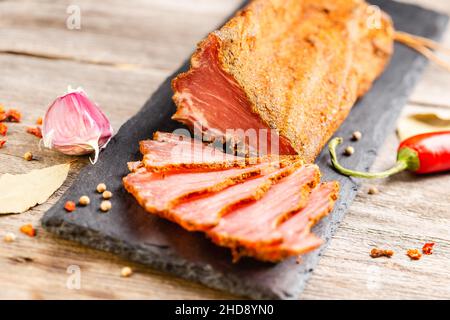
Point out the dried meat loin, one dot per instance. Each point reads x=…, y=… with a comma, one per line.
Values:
x=295, y=232
x=159, y=192
x=203, y=212
x=252, y=225
x=291, y=67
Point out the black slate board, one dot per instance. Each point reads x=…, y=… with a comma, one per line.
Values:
x=130, y=232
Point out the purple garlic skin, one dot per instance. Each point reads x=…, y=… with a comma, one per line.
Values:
x=74, y=125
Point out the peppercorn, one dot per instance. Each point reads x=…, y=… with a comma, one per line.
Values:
x=107, y=194
x=356, y=136
x=101, y=187
x=126, y=272
x=28, y=156
x=105, y=206
x=349, y=151
x=9, y=237
x=84, y=201
x=373, y=190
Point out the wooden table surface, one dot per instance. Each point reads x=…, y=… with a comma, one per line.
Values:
x=123, y=50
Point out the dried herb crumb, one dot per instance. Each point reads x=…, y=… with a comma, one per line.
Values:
x=427, y=248
x=3, y=129
x=12, y=115
x=28, y=229
x=70, y=206
x=414, y=254
x=35, y=131
x=377, y=253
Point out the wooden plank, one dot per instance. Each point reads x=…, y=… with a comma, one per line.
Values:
x=30, y=84
x=156, y=34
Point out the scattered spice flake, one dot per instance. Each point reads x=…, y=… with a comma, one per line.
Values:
x=428, y=248
x=377, y=253
x=3, y=129
x=39, y=121
x=2, y=143
x=28, y=230
x=35, y=131
x=13, y=115
x=414, y=254
x=70, y=206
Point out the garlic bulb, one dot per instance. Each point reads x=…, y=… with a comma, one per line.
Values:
x=74, y=125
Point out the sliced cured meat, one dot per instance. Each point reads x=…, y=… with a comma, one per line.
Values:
x=158, y=192
x=252, y=225
x=296, y=230
x=289, y=70
x=174, y=152
x=204, y=212
x=163, y=156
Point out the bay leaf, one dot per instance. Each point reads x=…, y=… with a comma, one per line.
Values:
x=20, y=192
x=418, y=123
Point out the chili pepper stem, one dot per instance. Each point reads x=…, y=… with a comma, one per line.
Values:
x=403, y=163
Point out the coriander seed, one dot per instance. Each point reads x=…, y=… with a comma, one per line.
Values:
x=101, y=187
x=84, y=201
x=105, y=206
x=107, y=194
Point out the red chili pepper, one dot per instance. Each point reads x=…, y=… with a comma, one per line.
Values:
x=424, y=153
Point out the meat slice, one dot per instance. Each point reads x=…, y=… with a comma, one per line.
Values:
x=163, y=156
x=295, y=232
x=252, y=225
x=158, y=192
x=175, y=152
x=290, y=70
x=204, y=212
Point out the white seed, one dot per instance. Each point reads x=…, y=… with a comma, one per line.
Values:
x=105, y=206
x=107, y=194
x=356, y=136
x=84, y=201
x=126, y=272
x=373, y=190
x=349, y=151
x=101, y=187
x=9, y=237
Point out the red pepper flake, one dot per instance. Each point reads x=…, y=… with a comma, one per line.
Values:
x=39, y=121
x=13, y=115
x=414, y=254
x=2, y=109
x=428, y=248
x=70, y=206
x=3, y=129
x=35, y=131
x=28, y=230
x=2, y=143
x=377, y=253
